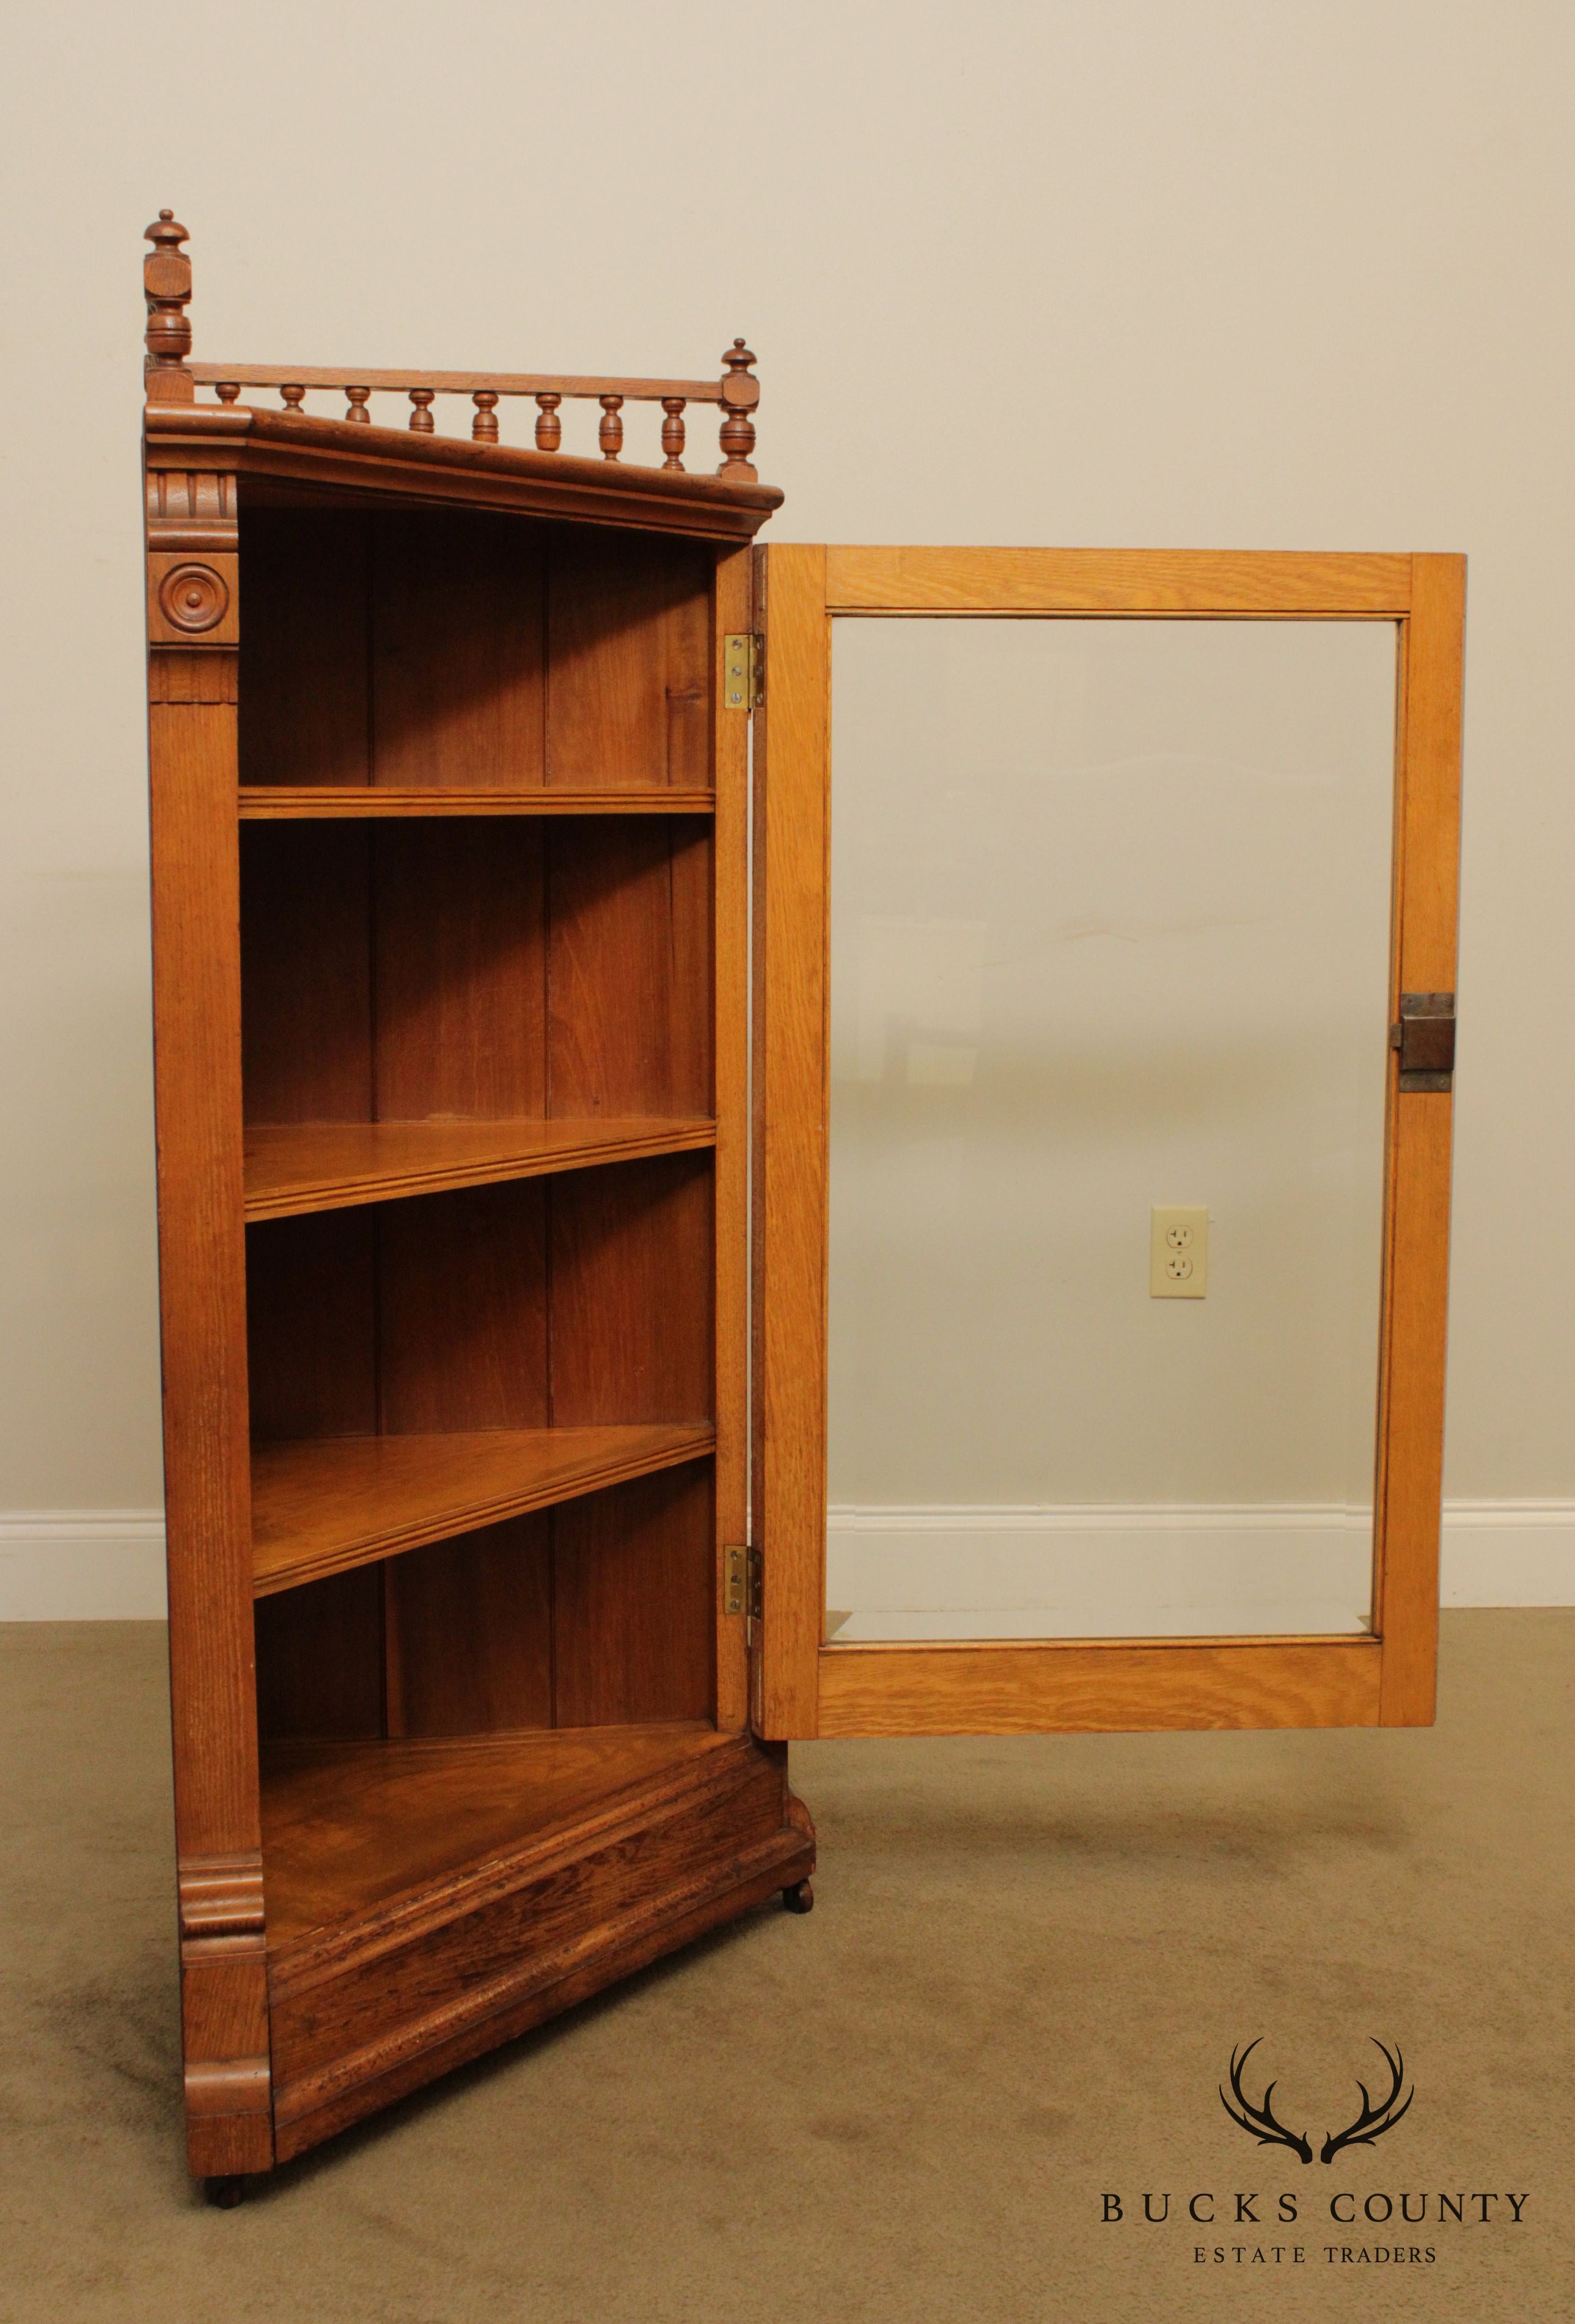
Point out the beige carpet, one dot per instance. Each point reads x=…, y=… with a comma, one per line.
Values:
x=1019, y=1988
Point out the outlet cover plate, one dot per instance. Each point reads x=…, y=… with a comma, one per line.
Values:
x=1178, y=1251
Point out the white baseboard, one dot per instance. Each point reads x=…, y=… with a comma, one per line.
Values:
x=1146, y=1566
x=82, y=1565
x=1158, y=1569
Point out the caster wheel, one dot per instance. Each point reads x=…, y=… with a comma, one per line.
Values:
x=225, y=2193
x=800, y=1898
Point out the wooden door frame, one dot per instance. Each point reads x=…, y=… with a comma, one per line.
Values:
x=803, y=1687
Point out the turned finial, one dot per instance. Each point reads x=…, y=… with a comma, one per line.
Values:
x=740, y=392
x=167, y=288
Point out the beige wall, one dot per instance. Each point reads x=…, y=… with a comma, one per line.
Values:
x=1080, y=270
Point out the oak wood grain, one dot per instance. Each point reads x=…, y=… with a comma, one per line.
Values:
x=472, y=1632
x=350, y=1826
x=1122, y=1685
x=316, y=457
x=323, y=802
x=196, y=1019
x=1415, y=1312
x=633, y=1601
x=322, y=1504
x=1137, y=582
x=792, y=762
x=731, y=613
x=459, y=682
x=315, y=1165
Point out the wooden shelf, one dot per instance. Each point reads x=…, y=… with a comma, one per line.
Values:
x=327, y=1166
x=275, y=802
x=348, y=1827
x=322, y=1504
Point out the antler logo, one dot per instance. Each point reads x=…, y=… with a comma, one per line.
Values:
x=1258, y=2121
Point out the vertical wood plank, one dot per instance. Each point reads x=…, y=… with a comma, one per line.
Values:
x=631, y=1271
x=462, y=1310
x=305, y=702
x=474, y=1631
x=459, y=970
x=629, y=632
x=319, y=1659
x=632, y=1573
x=792, y=831
x=732, y=611
x=629, y=980
x=196, y=1019
x=1416, y=1312
x=305, y=988
x=457, y=692
x=311, y=1325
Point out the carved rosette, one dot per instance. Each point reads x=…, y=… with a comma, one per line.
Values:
x=194, y=598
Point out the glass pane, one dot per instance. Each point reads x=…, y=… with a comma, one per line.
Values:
x=1109, y=931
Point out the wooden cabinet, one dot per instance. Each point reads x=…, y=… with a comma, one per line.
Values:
x=481, y=1691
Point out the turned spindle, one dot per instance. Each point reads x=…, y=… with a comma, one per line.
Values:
x=548, y=426
x=167, y=288
x=673, y=431
x=740, y=394
x=485, y=426
x=358, y=399
x=421, y=420
x=228, y=391
x=294, y=397
x=610, y=435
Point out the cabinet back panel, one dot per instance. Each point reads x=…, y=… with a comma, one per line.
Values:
x=305, y=971
x=462, y=1311
x=470, y=1632
x=629, y=967
x=461, y=650
x=629, y=646
x=457, y=699
x=305, y=642
x=540, y=1302
x=631, y=1274
x=311, y=1325
x=597, y=1613
x=633, y=1590
x=320, y=1659
x=488, y=970
x=460, y=974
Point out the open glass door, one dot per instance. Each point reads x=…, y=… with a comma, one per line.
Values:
x=1105, y=970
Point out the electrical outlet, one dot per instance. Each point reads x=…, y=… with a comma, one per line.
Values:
x=1178, y=1251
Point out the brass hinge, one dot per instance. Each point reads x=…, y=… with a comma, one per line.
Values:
x=740, y=1584
x=744, y=675
x=1425, y=1036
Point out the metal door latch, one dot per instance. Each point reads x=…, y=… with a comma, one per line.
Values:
x=1425, y=1039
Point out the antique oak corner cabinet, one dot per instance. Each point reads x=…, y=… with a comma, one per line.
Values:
x=497, y=1562
x=449, y=844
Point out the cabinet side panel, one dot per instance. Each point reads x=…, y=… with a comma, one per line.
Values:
x=456, y=653
x=631, y=1593
x=304, y=696
x=629, y=663
x=459, y=970
x=196, y=1009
